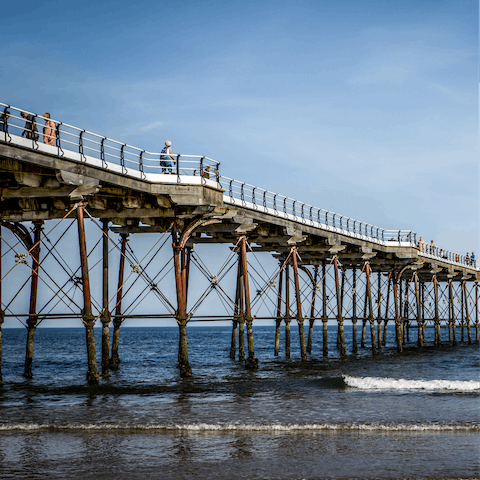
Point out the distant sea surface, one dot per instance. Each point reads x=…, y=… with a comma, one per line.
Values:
x=390, y=416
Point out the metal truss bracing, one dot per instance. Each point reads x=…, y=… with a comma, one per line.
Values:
x=47, y=282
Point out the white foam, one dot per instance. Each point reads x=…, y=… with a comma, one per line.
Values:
x=378, y=383
x=241, y=427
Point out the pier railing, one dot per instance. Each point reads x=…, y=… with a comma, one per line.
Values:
x=67, y=138
x=79, y=144
x=250, y=196
x=447, y=255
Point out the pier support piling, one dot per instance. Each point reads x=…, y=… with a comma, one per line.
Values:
x=370, y=310
x=364, y=319
x=467, y=312
x=324, y=309
x=287, y=317
x=387, y=305
x=301, y=332
x=236, y=315
x=354, y=310
x=251, y=362
x=93, y=377
x=438, y=332
x=419, y=311
x=241, y=311
x=341, y=333
x=379, y=311
x=181, y=289
x=462, y=314
x=118, y=319
x=312, y=310
x=398, y=320
x=278, y=320
x=476, y=311
x=105, y=316
x=451, y=312
x=32, y=315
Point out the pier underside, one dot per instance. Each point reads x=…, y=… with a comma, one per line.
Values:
x=63, y=221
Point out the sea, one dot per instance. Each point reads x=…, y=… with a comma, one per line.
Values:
x=391, y=416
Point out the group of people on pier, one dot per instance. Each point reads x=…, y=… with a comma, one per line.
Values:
x=30, y=130
x=440, y=252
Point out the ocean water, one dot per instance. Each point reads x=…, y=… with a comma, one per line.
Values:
x=414, y=415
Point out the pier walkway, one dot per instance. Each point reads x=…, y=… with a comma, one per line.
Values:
x=73, y=173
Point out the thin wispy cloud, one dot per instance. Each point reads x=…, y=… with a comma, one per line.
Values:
x=151, y=126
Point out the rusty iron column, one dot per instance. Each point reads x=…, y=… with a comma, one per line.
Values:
x=342, y=292
x=370, y=310
x=385, y=322
x=105, y=317
x=287, y=317
x=93, y=377
x=236, y=315
x=398, y=320
x=364, y=319
x=241, y=305
x=301, y=332
x=251, y=361
x=422, y=292
x=324, y=309
x=419, y=311
x=449, y=316
x=2, y=313
x=467, y=313
x=278, y=319
x=438, y=332
x=452, y=311
x=476, y=309
x=118, y=319
x=462, y=316
x=32, y=315
x=406, y=312
x=354, y=310
x=379, y=312
x=181, y=313
x=401, y=308
x=341, y=333
x=421, y=286
x=312, y=310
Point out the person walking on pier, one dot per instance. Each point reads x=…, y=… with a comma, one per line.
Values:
x=472, y=259
x=433, y=247
x=30, y=131
x=164, y=159
x=49, y=131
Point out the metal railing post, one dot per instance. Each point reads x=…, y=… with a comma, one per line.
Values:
x=80, y=145
x=122, y=159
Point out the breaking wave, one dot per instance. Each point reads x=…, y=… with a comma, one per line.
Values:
x=378, y=383
x=239, y=427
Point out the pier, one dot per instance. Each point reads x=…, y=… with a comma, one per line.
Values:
x=73, y=205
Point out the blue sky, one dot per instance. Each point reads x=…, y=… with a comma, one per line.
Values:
x=369, y=108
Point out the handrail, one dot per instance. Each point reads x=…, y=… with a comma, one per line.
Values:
x=286, y=207
x=113, y=153
x=88, y=144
